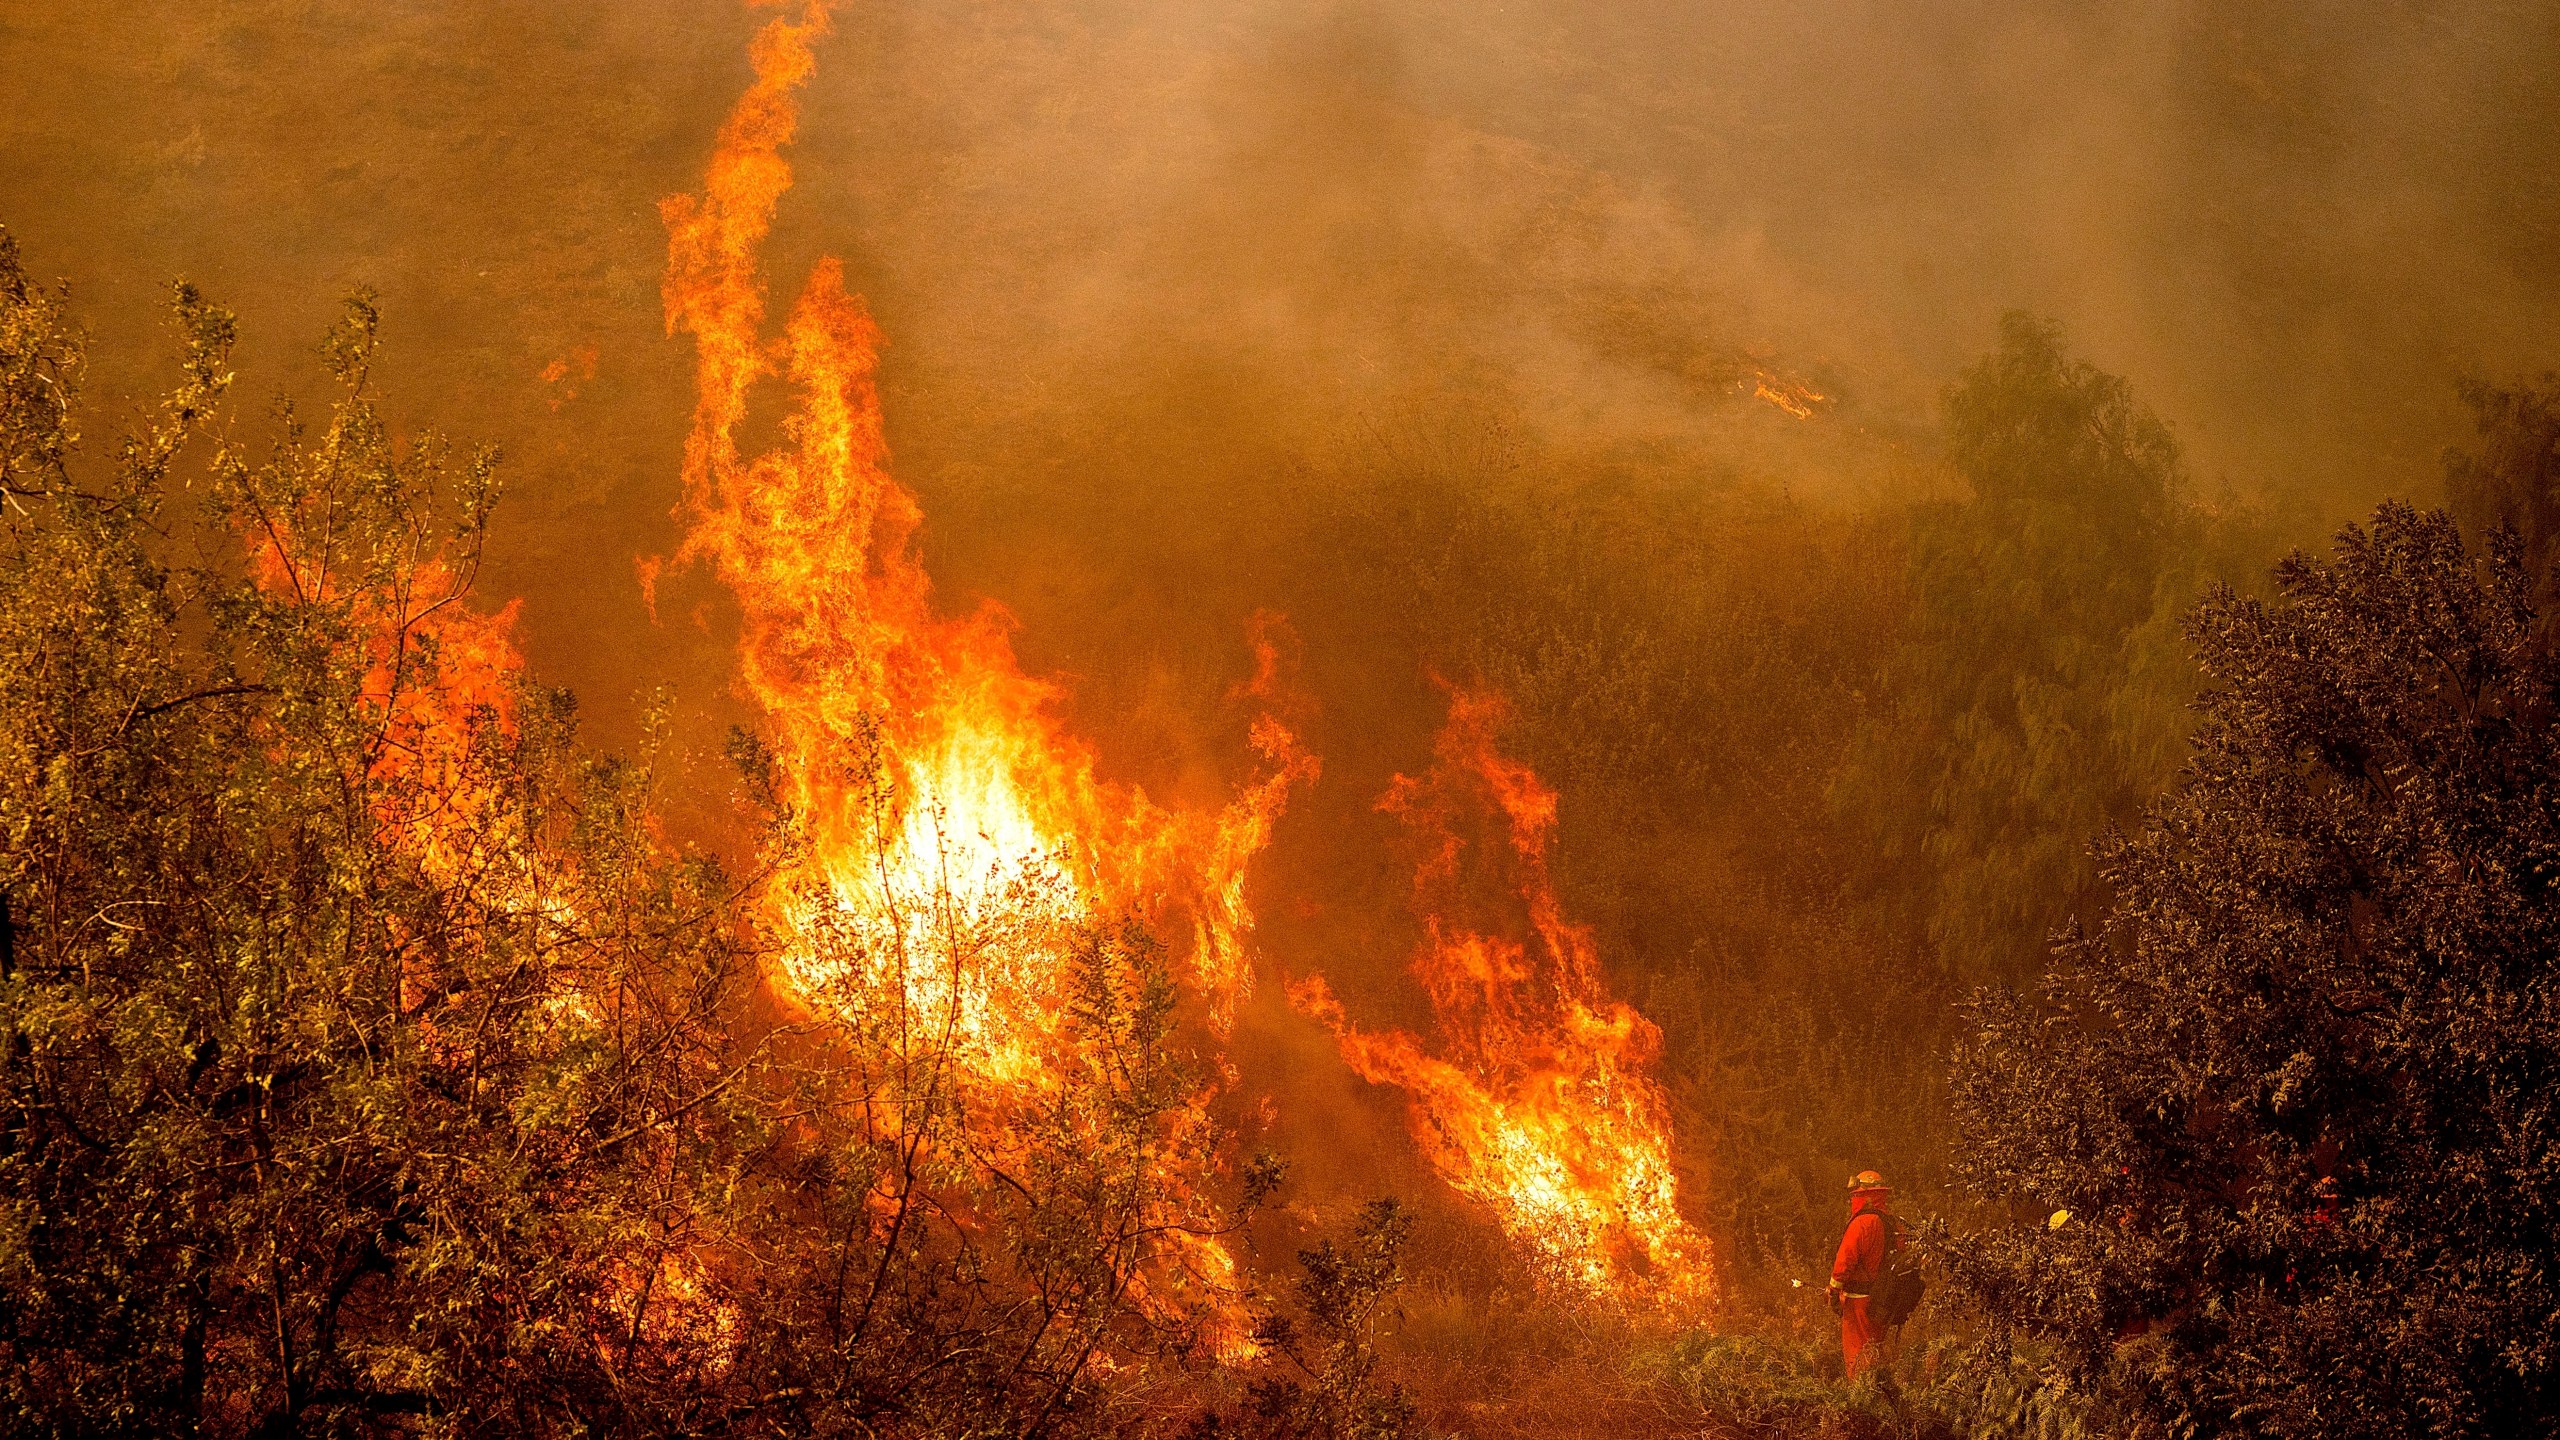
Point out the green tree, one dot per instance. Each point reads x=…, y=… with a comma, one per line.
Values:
x=349, y=1020
x=2297, y=1093
x=2511, y=478
x=2036, y=694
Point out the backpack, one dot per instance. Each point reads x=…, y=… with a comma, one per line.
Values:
x=1897, y=1291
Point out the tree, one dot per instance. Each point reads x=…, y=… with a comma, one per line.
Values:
x=370, y=1066
x=2511, y=480
x=2036, y=695
x=2297, y=1093
x=355, y=1037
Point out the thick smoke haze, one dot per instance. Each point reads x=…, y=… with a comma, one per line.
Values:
x=1145, y=268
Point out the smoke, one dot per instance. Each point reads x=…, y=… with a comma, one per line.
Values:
x=1137, y=261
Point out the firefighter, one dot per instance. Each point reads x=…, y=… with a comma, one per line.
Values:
x=1864, y=1249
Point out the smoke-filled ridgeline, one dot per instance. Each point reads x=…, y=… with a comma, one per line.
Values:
x=1246, y=229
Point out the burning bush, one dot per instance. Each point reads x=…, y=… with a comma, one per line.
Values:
x=369, y=1062
x=356, y=1039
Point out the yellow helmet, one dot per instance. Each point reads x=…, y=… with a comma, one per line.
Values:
x=1867, y=1180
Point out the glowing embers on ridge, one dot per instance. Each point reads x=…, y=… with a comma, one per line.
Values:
x=1538, y=1099
x=1787, y=393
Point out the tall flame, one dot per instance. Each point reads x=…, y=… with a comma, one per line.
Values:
x=1539, y=1102
x=817, y=542
x=942, y=806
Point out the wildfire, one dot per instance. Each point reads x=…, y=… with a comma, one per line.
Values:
x=955, y=837
x=1539, y=1103
x=1787, y=393
x=986, y=804
x=955, y=842
x=435, y=667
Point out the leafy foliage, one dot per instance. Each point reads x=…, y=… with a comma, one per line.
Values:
x=348, y=1017
x=2511, y=480
x=2297, y=1092
x=2036, y=693
x=1330, y=1381
x=369, y=1065
x=1762, y=1385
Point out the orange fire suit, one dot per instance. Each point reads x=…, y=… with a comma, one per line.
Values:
x=1864, y=1247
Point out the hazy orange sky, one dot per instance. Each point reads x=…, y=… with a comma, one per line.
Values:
x=1144, y=266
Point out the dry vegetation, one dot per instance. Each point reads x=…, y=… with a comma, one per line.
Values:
x=375, y=1059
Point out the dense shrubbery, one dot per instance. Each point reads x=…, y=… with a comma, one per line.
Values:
x=352, y=1033
x=1761, y=1388
x=2297, y=1092
x=369, y=1063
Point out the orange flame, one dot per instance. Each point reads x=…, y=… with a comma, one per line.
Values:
x=665, y=1313
x=1539, y=1104
x=817, y=543
x=935, y=789
x=1787, y=393
x=434, y=667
